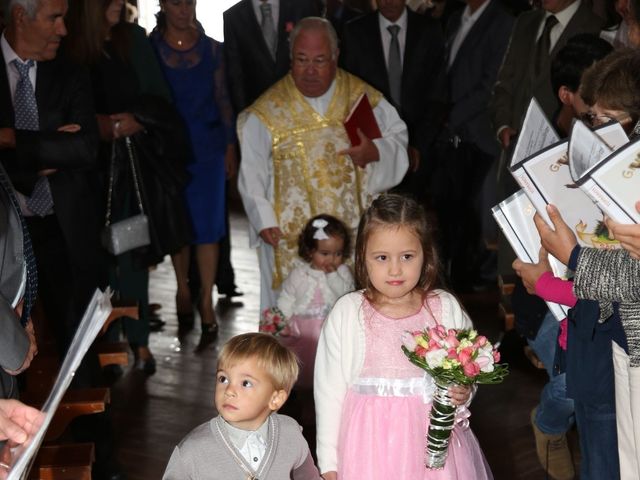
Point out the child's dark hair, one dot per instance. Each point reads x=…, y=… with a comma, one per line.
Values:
x=334, y=228
x=580, y=52
x=393, y=211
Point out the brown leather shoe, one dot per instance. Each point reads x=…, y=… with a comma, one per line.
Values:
x=553, y=452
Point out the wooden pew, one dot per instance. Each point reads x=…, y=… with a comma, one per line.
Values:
x=63, y=462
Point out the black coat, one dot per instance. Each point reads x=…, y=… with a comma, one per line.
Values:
x=159, y=152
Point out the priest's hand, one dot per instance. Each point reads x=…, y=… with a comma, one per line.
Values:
x=271, y=235
x=18, y=421
x=560, y=240
x=364, y=153
x=627, y=235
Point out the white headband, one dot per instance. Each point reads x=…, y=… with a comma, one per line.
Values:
x=320, y=234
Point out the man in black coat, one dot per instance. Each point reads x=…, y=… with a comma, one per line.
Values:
x=61, y=148
x=253, y=65
x=414, y=85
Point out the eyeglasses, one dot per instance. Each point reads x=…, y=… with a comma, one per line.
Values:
x=594, y=120
x=318, y=62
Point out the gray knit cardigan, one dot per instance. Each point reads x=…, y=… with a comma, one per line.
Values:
x=612, y=276
x=207, y=453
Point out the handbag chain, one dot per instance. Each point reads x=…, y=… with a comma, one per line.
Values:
x=134, y=173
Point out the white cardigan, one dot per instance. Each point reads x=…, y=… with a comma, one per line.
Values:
x=340, y=359
x=299, y=288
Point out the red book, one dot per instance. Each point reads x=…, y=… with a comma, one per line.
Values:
x=361, y=116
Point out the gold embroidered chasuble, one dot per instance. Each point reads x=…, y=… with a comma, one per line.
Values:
x=309, y=177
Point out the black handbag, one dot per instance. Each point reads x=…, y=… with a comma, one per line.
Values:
x=132, y=232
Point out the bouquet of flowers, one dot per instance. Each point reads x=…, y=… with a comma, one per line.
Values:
x=273, y=321
x=451, y=357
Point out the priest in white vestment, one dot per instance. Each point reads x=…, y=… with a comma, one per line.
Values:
x=297, y=160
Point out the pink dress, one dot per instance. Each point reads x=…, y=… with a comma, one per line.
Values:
x=303, y=334
x=385, y=417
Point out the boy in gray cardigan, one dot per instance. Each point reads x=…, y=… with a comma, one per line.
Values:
x=247, y=440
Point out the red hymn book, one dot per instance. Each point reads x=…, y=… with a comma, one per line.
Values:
x=361, y=116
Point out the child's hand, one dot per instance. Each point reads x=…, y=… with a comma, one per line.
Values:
x=330, y=476
x=459, y=394
x=531, y=272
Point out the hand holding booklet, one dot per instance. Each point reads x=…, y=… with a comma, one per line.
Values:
x=20, y=458
x=361, y=117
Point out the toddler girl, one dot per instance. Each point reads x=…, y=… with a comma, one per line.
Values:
x=372, y=404
x=312, y=288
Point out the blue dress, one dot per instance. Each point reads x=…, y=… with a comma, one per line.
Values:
x=197, y=82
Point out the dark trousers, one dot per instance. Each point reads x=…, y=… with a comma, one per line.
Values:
x=456, y=184
x=64, y=290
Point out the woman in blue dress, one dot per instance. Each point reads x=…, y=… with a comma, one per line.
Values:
x=193, y=66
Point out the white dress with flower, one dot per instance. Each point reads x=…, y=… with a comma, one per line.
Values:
x=307, y=297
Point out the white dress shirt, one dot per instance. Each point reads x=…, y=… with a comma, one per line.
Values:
x=386, y=35
x=12, y=72
x=564, y=17
x=275, y=10
x=252, y=445
x=467, y=21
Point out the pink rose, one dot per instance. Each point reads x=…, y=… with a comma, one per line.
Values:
x=496, y=356
x=452, y=354
x=421, y=351
x=480, y=341
x=471, y=369
x=483, y=361
x=451, y=339
x=268, y=328
x=465, y=355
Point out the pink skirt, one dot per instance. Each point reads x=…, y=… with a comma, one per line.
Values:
x=304, y=332
x=384, y=437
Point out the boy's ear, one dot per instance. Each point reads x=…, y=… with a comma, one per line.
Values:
x=277, y=399
x=565, y=95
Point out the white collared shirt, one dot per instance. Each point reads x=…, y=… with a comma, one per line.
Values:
x=564, y=17
x=275, y=10
x=12, y=72
x=251, y=444
x=467, y=21
x=385, y=35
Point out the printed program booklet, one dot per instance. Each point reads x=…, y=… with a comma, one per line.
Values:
x=536, y=133
x=515, y=218
x=547, y=179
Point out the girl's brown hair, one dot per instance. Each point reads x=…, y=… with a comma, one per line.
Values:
x=88, y=30
x=335, y=228
x=393, y=211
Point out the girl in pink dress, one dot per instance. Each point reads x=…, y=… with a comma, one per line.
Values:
x=372, y=404
x=312, y=287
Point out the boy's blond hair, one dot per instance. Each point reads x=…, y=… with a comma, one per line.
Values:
x=280, y=363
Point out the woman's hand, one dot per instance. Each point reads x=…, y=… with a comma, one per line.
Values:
x=560, y=240
x=627, y=235
x=531, y=272
x=459, y=394
x=124, y=125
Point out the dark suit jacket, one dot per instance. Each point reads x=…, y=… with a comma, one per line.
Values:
x=63, y=94
x=14, y=343
x=250, y=67
x=473, y=73
x=516, y=83
x=423, y=94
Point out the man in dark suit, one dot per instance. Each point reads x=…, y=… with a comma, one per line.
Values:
x=253, y=64
x=411, y=78
x=48, y=145
x=476, y=39
x=525, y=71
x=17, y=339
